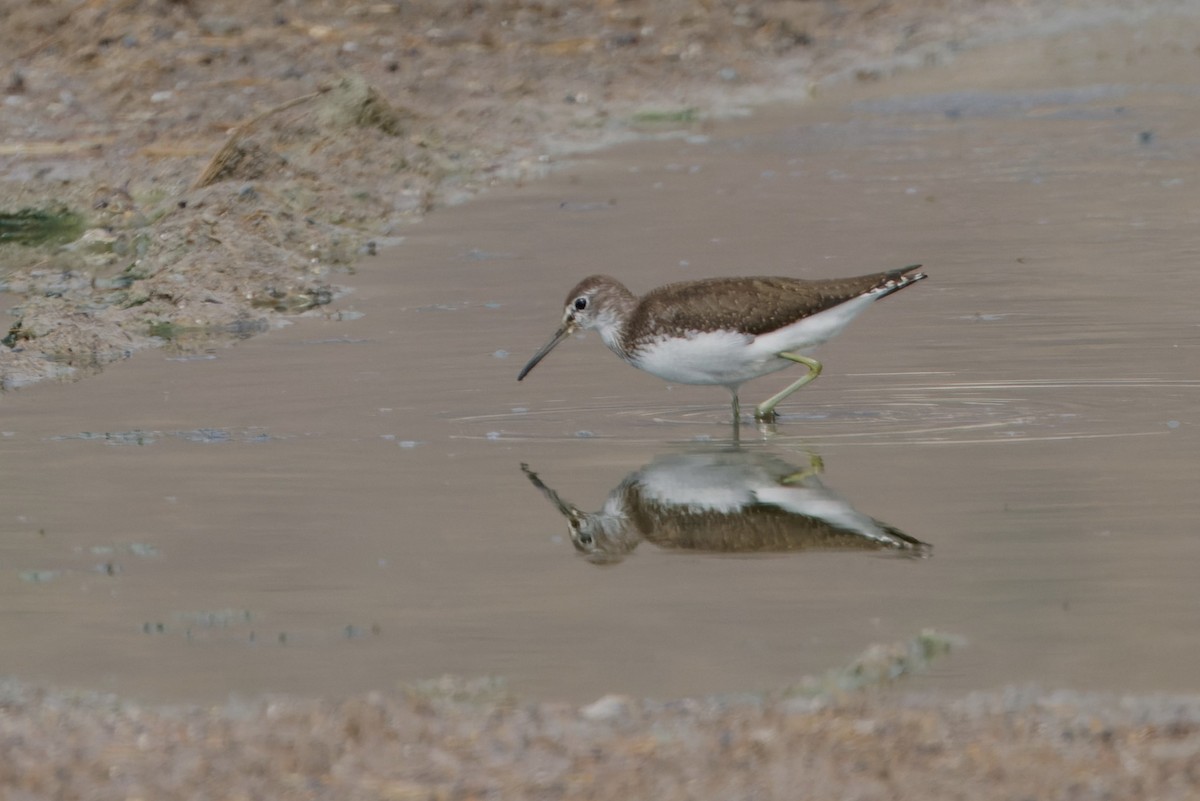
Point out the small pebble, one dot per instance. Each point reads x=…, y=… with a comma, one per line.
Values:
x=607, y=709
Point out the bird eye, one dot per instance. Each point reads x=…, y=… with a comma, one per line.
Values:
x=580, y=303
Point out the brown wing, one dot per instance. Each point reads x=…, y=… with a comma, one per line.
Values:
x=755, y=305
x=751, y=529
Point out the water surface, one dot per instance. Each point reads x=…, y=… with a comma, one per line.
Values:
x=341, y=505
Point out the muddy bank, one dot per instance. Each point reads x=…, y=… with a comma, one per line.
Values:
x=840, y=735
x=454, y=740
x=231, y=161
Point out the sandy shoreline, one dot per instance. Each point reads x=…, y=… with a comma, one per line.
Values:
x=456, y=739
x=231, y=163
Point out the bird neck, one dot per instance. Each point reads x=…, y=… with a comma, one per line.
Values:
x=612, y=331
x=612, y=321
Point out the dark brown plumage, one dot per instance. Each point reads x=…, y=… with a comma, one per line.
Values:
x=754, y=305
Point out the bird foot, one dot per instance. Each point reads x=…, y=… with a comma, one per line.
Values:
x=816, y=466
x=768, y=416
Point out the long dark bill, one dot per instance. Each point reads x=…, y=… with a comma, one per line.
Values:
x=564, y=331
x=568, y=511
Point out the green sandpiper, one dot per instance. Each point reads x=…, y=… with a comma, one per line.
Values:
x=723, y=331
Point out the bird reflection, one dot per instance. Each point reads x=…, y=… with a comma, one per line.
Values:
x=724, y=501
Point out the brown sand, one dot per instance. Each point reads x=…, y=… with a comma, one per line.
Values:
x=469, y=740
x=233, y=160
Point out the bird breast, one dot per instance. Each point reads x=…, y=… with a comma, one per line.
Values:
x=726, y=358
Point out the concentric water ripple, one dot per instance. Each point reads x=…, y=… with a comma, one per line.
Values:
x=1003, y=411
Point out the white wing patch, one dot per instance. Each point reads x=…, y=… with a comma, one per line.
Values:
x=809, y=332
x=827, y=506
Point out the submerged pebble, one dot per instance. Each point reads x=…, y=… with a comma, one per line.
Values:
x=39, y=576
x=218, y=618
x=475, y=254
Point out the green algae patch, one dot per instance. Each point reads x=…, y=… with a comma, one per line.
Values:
x=30, y=227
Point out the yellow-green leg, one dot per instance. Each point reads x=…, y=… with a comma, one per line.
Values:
x=816, y=466
x=765, y=411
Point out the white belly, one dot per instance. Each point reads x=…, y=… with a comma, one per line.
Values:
x=723, y=358
x=729, y=358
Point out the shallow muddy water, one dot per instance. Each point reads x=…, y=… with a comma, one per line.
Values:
x=346, y=505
